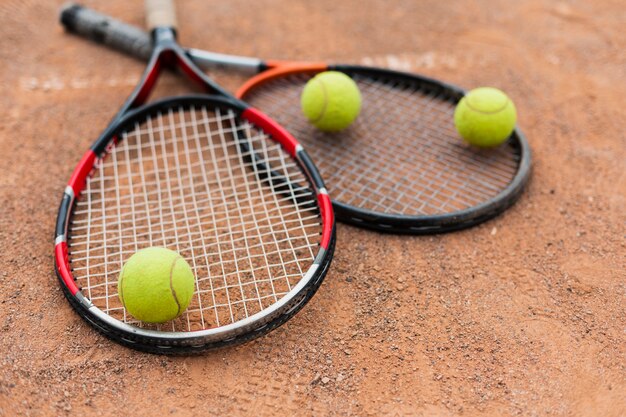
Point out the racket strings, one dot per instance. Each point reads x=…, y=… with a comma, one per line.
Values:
x=215, y=189
x=401, y=156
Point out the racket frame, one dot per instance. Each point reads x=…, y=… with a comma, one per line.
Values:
x=397, y=223
x=167, y=53
x=135, y=42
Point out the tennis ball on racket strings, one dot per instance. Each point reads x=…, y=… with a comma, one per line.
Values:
x=156, y=285
x=331, y=101
x=485, y=117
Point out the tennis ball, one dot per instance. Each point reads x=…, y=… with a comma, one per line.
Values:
x=485, y=117
x=156, y=285
x=331, y=101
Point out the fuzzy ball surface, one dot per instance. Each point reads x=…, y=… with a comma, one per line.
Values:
x=156, y=285
x=331, y=101
x=485, y=117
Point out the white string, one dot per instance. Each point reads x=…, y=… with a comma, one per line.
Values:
x=402, y=155
x=273, y=194
x=196, y=123
x=131, y=188
x=219, y=247
x=195, y=185
x=88, y=258
x=106, y=274
x=168, y=182
x=255, y=220
x=220, y=132
x=119, y=218
x=183, y=131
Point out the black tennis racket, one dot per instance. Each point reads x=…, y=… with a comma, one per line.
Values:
x=401, y=167
x=210, y=177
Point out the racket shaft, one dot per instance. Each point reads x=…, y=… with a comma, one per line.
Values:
x=136, y=42
x=209, y=60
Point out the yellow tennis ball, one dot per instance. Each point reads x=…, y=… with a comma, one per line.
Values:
x=485, y=117
x=156, y=285
x=331, y=101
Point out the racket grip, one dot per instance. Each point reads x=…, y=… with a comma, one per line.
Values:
x=160, y=13
x=108, y=31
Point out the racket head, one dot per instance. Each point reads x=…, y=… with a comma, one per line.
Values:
x=488, y=198
x=204, y=176
x=401, y=166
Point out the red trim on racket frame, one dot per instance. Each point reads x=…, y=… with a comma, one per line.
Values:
x=326, y=207
x=293, y=147
x=147, y=85
x=76, y=183
x=279, y=133
x=84, y=167
x=63, y=266
x=192, y=73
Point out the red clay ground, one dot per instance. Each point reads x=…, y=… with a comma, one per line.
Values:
x=524, y=315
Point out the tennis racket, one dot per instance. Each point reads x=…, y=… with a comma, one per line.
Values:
x=401, y=167
x=210, y=177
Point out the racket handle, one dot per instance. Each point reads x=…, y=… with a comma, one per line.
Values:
x=160, y=13
x=106, y=30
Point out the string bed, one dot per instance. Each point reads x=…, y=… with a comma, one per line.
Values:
x=212, y=187
x=402, y=155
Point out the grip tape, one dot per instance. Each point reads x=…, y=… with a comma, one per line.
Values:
x=103, y=29
x=160, y=13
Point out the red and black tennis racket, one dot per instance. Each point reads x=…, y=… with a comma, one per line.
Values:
x=210, y=177
x=401, y=167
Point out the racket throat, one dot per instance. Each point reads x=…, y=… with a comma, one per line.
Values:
x=163, y=36
x=164, y=42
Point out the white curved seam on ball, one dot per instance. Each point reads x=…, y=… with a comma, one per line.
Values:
x=323, y=112
x=172, y=285
x=506, y=104
x=121, y=288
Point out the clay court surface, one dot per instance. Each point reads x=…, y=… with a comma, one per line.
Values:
x=523, y=315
